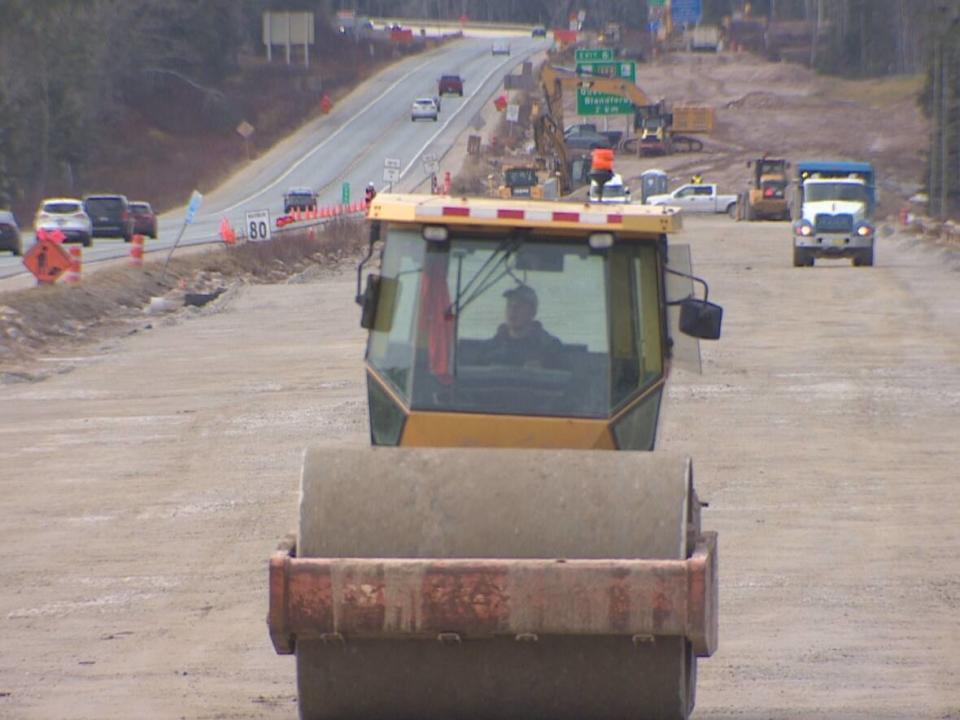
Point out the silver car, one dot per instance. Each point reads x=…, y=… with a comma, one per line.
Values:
x=424, y=109
x=66, y=215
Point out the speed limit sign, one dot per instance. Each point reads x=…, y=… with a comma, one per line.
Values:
x=258, y=225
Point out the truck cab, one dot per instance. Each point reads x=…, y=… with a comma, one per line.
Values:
x=835, y=215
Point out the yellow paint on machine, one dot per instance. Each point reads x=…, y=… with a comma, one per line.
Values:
x=434, y=429
x=634, y=221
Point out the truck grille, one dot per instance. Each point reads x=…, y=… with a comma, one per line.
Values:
x=833, y=223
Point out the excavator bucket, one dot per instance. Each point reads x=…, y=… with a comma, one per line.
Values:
x=495, y=583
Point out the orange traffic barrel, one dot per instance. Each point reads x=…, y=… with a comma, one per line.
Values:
x=136, y=251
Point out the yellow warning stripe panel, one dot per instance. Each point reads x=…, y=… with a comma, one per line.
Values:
x=629, y=221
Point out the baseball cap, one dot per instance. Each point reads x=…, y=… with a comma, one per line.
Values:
x=522, y=292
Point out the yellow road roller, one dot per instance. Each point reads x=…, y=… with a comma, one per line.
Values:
x=487, y=557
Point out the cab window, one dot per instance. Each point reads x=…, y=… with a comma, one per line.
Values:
x=517, y=324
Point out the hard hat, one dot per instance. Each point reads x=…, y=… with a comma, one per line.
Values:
x=370, y=184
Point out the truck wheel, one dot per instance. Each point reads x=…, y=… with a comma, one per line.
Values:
x=801, y=258
x=732, y=211
x=748, y=212
x=864, y=259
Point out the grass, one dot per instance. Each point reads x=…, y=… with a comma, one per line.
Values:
x=879, y=92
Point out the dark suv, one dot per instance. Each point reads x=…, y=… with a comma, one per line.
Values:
x=110, y=216
x=450, y=85
x=9, y=233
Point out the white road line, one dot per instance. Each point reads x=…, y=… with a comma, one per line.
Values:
x=451, y=118
x=322, y=144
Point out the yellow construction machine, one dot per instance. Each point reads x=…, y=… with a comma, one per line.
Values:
x=767, y=196
x=521, y=181
x=488, y=557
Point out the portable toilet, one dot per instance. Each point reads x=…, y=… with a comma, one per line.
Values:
x=652, y=182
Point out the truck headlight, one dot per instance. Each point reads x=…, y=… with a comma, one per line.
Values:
x=804, y=228
x=865, y=230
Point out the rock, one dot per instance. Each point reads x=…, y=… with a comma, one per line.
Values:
x=159, y=305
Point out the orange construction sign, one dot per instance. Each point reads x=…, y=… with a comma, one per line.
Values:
x=47, y=260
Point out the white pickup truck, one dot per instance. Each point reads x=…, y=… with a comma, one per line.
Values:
x=702, y=197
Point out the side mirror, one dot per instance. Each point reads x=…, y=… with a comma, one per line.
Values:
x=368, y=302
x=700, y=319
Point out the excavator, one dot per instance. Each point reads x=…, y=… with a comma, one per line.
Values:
x=491, y=556
x=571, y=166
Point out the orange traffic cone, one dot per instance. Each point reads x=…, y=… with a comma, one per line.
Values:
x=227, y=235
x=136, y=251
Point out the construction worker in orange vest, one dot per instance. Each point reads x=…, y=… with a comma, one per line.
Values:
x=601, y=168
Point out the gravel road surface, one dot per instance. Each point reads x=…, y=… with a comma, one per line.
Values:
x=144, y=490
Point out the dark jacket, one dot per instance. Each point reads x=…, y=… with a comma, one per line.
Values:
x=536, y=347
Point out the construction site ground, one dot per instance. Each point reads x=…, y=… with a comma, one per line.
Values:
x=148, y=474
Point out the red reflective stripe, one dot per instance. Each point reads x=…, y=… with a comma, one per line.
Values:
x=614, y=218
x=566, y=217
x=510, y=214
x=458, y=211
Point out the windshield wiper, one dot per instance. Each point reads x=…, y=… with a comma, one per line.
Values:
x=489, y=274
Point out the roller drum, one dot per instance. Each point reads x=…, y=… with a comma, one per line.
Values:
x=493, y=503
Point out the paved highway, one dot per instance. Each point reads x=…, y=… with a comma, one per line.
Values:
x=348, y=145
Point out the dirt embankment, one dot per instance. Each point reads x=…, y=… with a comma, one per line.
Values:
x=116, y=301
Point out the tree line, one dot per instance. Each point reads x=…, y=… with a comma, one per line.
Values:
x=67, y=65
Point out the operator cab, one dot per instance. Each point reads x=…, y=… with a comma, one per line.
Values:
x=480, y=309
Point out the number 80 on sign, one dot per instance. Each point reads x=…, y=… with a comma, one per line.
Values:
x=258, y=225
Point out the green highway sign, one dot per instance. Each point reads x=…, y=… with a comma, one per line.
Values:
x=590, y=102
x=626, y=70
x=596, y=103
x=345, y=193
x=593, y=55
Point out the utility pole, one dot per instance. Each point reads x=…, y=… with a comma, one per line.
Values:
x=942, y=98
x=933, y=196
x=944, y=125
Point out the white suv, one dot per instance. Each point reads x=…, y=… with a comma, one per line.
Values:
x=66, y=215
x=424, y=109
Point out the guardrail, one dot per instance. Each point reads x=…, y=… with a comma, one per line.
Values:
x=472, y=24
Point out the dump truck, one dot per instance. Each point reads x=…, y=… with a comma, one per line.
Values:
x=767, y=197
x=489, y=557
x=836, y=204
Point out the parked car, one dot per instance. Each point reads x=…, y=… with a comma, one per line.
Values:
x=110, y=215
x=144, y=219
x=538, y=31
x=66, y=215
x=424, y=109
x=500, y=48
x=10, y=233
x=450, y=85
x=586, y=140
x=299, y=198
